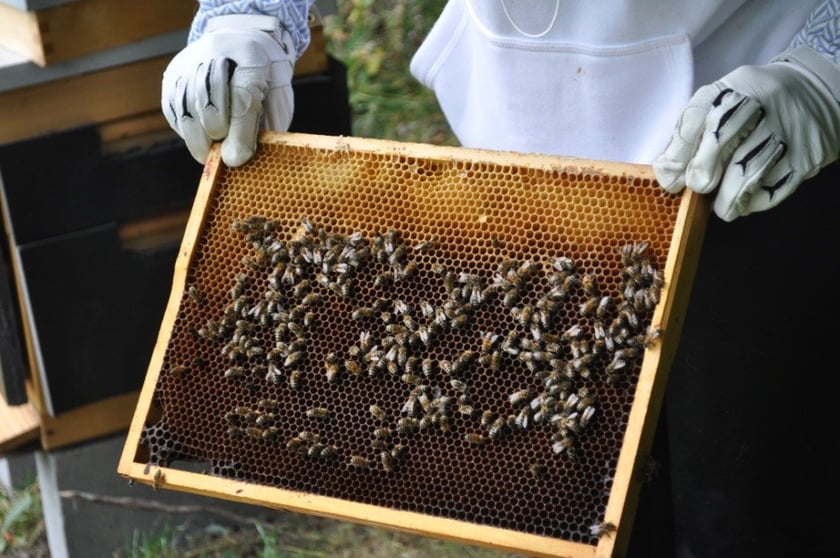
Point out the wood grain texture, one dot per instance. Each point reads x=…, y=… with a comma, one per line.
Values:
x=66, y=31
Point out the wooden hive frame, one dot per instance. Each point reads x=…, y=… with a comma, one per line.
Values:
x=679, y=266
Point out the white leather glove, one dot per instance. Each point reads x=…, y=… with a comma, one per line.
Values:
x=228, y=83
x=756, y=133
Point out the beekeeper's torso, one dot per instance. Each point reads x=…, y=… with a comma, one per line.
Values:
x=602, y=79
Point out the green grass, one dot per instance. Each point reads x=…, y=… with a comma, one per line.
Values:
x=284, y=535
x=21, y=522
x=296, y=536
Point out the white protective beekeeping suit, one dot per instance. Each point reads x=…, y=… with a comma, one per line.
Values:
x=601, y=80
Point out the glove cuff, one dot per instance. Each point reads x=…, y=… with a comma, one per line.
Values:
x=254, y=22
x=821, y=67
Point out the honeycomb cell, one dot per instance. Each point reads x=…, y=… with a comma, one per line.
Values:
x=495, y=316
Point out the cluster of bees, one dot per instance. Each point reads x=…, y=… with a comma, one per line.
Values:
x=287, y=286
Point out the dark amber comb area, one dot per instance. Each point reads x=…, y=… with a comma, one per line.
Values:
x=455, y=333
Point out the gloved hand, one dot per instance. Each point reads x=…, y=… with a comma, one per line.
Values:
x=756, y=133
x=222, y=85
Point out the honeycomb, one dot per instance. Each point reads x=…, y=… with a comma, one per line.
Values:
x=453, y=333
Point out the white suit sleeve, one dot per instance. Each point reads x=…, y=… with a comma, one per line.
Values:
x=293, y=16
x=821, y=31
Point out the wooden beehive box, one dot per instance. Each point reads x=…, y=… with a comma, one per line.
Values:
x=57, y=33
x=466, y=344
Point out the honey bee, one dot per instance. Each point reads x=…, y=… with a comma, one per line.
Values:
x=571, y=282
x=359, y=462
x=301, y=288
x=254, y=350
x=387, y=461
x=443, y=365
x=293, y=358
x=424, y=245
x=590, y=286
x=311, y=299
x=604, y=307
x=560, y=446
x=382, y=432
x=653, y=335
x=407, y=425
x=496, y=361
x=317, y=412
x=411, y=379
x=295, y=379
x=528, y=269
x=397, y=255
x=333, y=371
x=295, y=329
x=497, y=427
x=574, y=332
x=353, y=367
x=329, y=452
x=179, y=370
x=197, y=296
x=537, y=470
x=458, y=385
x=384, y=279
x=510, y=344
x=519, y=397
x=265, y=420
x=466, y=409
x=510, y=297
x=589, y=307
x=309, y=319
x=296, y=443
x=157, y=479
x=362, y=313
x=462, y=361
x=315, y=450
x=586, y=416
x=442, y=422
x=523, y=418
x=602, y=528
x=307, y=224
x=427, y=366
x=395, y=329
x=615, y=365
x=309, y=436
x=426, y=309
x=272, y=373
x=423, y=335
x=460, y=321
x=425, y=402
x=412, y=364
x=377, y=412
x=630, y=253
x=270, y=432
x=629, y=316
x=246, y=412
x=474, y=438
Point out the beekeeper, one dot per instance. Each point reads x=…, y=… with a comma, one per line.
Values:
x=738, y=99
